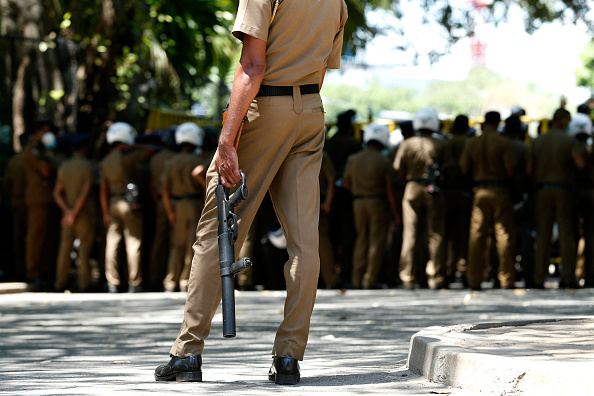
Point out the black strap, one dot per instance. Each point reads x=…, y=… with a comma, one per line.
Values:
x=271, y=90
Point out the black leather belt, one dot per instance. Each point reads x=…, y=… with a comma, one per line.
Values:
x=492, y=184
x=556, y=186
x=420, y=181
x=185, y=197
x=376, y=196
x=270, y=90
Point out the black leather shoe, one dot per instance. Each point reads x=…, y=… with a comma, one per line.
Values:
x=188, y=369
x=284, y=370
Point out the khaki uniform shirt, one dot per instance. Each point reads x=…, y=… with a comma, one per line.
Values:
x=417, y=153
x=489, y=157
x=15, y=176
x=368, y=173
x=178, y=175
x=157, y=166
x=552, y=156
x=117, y=168
x=74, y=174
x=38, y=189
x=308, y=56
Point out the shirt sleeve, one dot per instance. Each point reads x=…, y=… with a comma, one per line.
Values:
x=398, y=159
x=253, y=18
x=333, y=61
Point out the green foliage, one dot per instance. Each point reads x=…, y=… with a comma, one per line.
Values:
x=481, y=91
x=585, y=75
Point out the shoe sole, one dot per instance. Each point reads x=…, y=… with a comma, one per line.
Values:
x=284, y=379
x=190, y=376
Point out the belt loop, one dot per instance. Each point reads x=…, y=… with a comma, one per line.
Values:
x=297, y=102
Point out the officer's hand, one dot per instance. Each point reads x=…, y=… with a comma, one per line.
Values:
x=171, y=217
x=227, y=165
x=106, y=219
x=67, y=220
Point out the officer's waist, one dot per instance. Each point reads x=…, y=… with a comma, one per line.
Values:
x=272, y=90
x=371, y=196
x=189, y=197
x=491, y=184
x=557, y=186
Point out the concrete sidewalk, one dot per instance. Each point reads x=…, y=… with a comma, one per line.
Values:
x=542, y=357
x=110, y=344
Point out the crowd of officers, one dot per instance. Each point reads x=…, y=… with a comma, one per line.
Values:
x=103, y=210
x=431, y=211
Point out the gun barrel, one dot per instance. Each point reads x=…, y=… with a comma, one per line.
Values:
x=228, y=306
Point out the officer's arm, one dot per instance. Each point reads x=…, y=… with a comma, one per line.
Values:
x=246, y=83
x=82, y=199
x=59, y=198
x=580, y=161
x=166, y=199
x=199, y=174
x=104, y=200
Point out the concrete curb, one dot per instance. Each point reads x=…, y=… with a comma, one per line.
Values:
x=13, y=287
x=457, y=357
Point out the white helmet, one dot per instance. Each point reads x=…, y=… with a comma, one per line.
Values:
x=48, y=140
x=377, y=132
x=188, y=132
x=121, y=132
x=580, y=124
x=426, y=118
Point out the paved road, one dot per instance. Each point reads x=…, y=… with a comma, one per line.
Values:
x=100, y=344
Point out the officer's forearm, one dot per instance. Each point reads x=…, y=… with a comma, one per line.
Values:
x=104, y=198
x=166, y=199
x=59, y=199
x=82, y=200
x=246, y=83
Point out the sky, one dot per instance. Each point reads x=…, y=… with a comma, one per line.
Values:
x=548, y=57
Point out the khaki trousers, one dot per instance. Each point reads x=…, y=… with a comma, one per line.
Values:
x=246, y=278
x=160, y=248
x=38, y=222
x=125, y=223
x=280, y=151
x=372, y=218
x=552, y=205
x=84, y=230
x=491, y=211
x=187, y=214
x=422, y=213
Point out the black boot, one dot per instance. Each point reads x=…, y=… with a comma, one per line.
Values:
x=284, y=370
x=188, y=369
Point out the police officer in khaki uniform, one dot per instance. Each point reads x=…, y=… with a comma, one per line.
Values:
x=183, y=199
x=368, y=175
x=490, y=159
x=286, y=48
x=552, y=159
x=39, y=176
x=120, y=217
x=15, y=185
x=422, y=206
x=72, y=192
x=160, y=248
